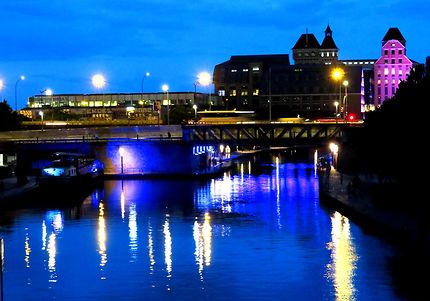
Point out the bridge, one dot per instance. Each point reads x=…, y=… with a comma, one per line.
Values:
x=263, y=134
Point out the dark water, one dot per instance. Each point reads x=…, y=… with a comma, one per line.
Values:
x=258, y=233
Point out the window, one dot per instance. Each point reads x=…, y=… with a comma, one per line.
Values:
x=393, y=81
x=400, y=61
x=255, y=68
x=385, y=71
x=245, y=70
x=233, y=92
x=393, y=90
x=221, y=92
x=256, y=92
x=400, y=72
x=386, y=90
x=379, y=81
x=393, y=52
x=233, y=70
x=393, y=71
x=393, y=61
x=385, y=61
x=386, y=81
x=400, y=51
x=379, y=90
x=385, y=52
x=322, y=54
x=244, y=92
x=393, y=44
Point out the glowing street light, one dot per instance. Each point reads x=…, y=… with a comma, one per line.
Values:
x=195, y=111
x=205, y=79
x=98, y=81
x=41, y=116
x=147, y=74
x=22, y=77
x=1, y=87
x=165, y=88
x=121, y=153
x=345, y=98
x=337, y=74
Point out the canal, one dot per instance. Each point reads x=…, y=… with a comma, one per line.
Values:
x=258, y=232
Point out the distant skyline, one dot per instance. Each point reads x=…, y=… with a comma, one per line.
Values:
x=61, y=44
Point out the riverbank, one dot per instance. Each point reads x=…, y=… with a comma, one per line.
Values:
x=379, y=208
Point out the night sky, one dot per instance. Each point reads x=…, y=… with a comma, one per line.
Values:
x=60, y=44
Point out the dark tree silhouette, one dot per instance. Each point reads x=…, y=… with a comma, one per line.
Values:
x=9, y=119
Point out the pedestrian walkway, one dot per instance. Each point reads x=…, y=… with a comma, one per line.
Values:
x=364, y=198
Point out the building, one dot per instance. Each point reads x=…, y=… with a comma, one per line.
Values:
x=270, y=85
x=392, y=67
x=114, y=106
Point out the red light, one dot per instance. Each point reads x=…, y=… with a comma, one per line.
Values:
x=351, y=117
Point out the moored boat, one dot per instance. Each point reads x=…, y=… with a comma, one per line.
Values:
x=71, y=169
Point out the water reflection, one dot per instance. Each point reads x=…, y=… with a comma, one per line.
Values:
x=101, y=235
x=132, y=231
x=150, y=248
x=27, y=249
x=167, y=246
x=343, y=258
x=202, y=233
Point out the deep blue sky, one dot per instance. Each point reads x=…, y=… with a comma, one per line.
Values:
x=60, y=44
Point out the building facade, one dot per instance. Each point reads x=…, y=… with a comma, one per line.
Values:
x=114, y=106
x=392, y=67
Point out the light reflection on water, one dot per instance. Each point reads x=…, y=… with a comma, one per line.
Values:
x=258, y=234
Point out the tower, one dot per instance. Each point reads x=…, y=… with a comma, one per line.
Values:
x=329, y=51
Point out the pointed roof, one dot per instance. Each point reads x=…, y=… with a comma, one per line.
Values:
x=328, y=42
x=394, y=34
x=307, y=40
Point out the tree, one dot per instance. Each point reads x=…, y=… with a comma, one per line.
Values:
x=9, y=119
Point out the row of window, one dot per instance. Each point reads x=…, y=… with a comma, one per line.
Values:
x=394, y=71
x=393, y=90
x=393, y=52
x=393, y=61
x=254, y=69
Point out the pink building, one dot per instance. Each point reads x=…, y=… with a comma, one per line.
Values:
x=392, y=67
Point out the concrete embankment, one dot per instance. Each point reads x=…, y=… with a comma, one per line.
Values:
x=376, y=207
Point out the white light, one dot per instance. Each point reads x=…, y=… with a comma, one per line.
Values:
x=195, y=107
x=41, y=113
x=1, y=84
x=49, y=92
x=204, y=78
x=98, y=81
x=165, y=88
x=22, y=77
x=121, y=151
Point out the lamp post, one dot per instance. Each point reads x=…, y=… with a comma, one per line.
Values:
x=337, y=74
x=205, y=79
x=121, y=153
x=22, y=77
x=165, y=88
x=1, y=87
x=195, y=111
x=41, y=117
x=336, y=104
x=270, y=95
x=98, y=81
x=147, y=74
x=345, y=99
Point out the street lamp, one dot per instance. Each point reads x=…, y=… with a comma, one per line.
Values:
x=98, y=81
x=205, y=79
x=338, y=74
x=22, y=77
x=147, y=74
x=336, y=104
x=41, y=116
x=195, y=111
x=1, y=87
x=165, y=88
x=121, y=153
x=345, y=98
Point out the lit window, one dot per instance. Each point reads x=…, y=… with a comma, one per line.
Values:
x=328, y=54
x=233, y=92
x=379, y=81
x=385, y=71
x=244, y=92
x=332, y=53
x=393, y=44
x=255, y=68
x=221, y=92
x=400, y=72
x=393, y=81
x=256, y=92
x=322, y=54
x=386, y=81
x=233, y=70
x=393, y=71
